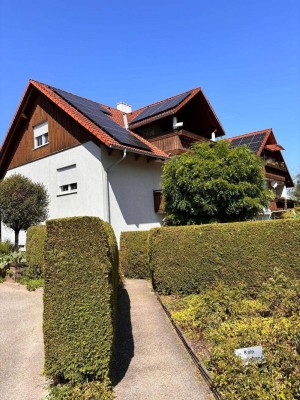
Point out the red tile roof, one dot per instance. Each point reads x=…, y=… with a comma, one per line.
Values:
x=115, y=114
x=134, y=114
x=95, y=130
x=193, y=93
x=269, y=142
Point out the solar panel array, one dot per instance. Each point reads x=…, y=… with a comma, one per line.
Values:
x=99, y=115
x=254, y=142
x=161, y=107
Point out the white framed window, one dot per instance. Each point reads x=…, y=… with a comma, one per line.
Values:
x=67, y=180
x=40, y=134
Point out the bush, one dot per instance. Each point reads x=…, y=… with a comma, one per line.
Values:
x=188, y=259
x=223, y=319
x=31, y=284
x=134, y=254
x=6, y=247
x=15, y=260
x=35, y=242
x=79, y=295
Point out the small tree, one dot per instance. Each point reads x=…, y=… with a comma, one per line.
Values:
x=214, y=183
x=23, y=203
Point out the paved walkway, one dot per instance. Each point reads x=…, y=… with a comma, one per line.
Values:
x=151, y=363
x=21, y=343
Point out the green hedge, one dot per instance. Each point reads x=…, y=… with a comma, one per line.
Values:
x=134, y=254
x=80, y=290
x=190, y=258
x=35, y=242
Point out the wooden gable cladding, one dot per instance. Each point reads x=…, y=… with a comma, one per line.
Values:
x=63, y=131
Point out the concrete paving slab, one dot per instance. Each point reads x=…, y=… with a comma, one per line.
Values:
x=21, y=343
x=150, y=361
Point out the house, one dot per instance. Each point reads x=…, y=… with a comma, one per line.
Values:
x=100, y=161
x=264, y=144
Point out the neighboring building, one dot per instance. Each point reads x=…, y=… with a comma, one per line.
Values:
x=264, y=144
x=100, y=161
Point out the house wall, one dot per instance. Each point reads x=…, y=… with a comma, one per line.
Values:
x=89, y=199
x=131, y=185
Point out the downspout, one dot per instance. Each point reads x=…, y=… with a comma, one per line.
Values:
x=107, y=182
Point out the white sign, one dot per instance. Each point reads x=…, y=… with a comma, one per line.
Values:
x=254, y=354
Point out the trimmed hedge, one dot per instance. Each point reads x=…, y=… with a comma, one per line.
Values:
x=80, y=291
x=134, y=254
x=190, y=258
x=35, y=242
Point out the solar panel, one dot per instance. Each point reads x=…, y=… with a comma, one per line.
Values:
x=78, y=101
x=254, y=142
x=99, y=115
x=161, y=107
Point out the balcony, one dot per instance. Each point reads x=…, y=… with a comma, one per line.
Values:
x=176, y=142
x=281, y=204
x=271, y=162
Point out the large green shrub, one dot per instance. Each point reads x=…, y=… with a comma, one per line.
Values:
x=214, y=183
x=134, y=254
x=35, y=243
x=190, y=258
x=80, y=285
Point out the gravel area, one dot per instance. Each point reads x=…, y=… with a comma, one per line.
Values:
x=21, y=343
x=151, y=362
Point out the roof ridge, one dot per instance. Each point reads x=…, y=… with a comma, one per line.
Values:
x=66, y=91
x=166, y=99
x=250, y=133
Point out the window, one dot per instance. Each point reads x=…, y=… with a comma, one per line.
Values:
x=68, y=188
x=67, y=180
x=40, y=133
x=158, y=202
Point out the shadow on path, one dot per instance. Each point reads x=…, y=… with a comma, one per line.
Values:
x=124, y=345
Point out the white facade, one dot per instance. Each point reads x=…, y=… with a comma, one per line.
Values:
x=131, y=183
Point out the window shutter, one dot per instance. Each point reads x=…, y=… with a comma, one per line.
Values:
x=67, y=175
x=40, y=129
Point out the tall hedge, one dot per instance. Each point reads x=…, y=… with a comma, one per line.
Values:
x=35, y=242
x=80, y=291
x=134, y=254
x=190, y=258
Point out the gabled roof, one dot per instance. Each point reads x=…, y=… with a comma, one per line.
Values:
x=167, y=107
x=94, y=129
x=258, y=141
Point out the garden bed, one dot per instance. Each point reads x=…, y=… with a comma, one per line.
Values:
x=219, y=320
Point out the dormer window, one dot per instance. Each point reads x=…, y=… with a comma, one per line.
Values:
x=40, y=133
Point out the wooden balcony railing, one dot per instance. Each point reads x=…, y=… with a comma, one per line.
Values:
x=276, y=164
x=280, y=203
x=176, y=142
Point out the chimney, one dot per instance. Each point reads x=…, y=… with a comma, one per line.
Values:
x=124, y=107
x=213, y=136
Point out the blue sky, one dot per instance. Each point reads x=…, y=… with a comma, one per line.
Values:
x=244, y=54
